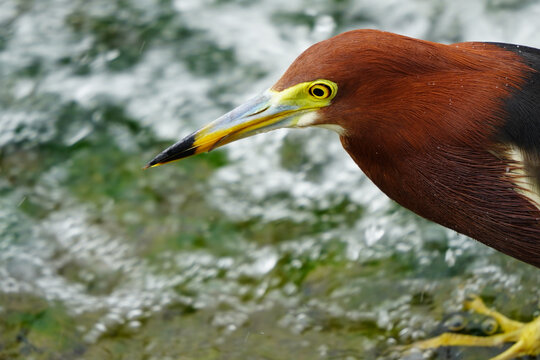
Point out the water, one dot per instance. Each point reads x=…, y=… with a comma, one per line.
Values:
x=268, y=249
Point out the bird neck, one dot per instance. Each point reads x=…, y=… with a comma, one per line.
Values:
x=465, y=189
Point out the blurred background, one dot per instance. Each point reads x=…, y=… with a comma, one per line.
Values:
x=274, y=247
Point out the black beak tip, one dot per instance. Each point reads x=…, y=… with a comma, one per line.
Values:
x=148, y=165
x=180, y=150
x=162, y=158
x=154, y=162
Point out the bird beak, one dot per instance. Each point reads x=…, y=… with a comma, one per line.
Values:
x=268, y=111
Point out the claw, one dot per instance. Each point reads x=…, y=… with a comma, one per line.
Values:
x=526, y=336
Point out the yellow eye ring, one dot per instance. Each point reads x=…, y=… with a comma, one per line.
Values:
x=320, y=91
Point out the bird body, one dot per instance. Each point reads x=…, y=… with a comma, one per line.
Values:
x=451, y=132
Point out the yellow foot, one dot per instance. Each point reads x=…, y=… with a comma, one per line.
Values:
x=526, y=336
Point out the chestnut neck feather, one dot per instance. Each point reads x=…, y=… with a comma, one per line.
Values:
x=424, y=122
x=466, y=189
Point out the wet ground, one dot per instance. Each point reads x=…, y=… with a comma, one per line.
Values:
x=276, y=247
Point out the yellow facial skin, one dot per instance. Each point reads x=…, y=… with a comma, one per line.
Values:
x=268, y=111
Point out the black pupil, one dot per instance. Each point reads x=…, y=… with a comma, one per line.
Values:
x=318, y=92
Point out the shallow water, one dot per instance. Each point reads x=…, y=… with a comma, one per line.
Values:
x=276, y=247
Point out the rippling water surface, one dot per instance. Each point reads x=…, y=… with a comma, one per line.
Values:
x=276, y=247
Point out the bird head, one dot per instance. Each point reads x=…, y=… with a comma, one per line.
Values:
x=318, y=89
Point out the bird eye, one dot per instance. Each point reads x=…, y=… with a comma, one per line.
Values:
x=490, y=326
x=320, y=91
